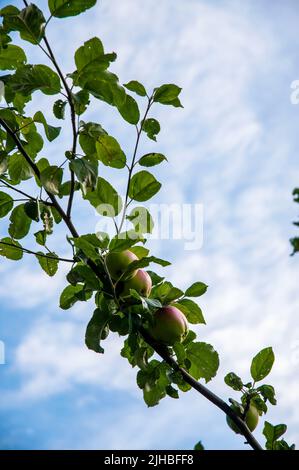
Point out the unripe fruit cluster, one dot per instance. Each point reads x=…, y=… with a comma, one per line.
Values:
x=169, y=323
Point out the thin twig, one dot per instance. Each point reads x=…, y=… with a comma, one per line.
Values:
x=36, y=171
x=73, y=120
x=42, y=255
x=9, y=186
x=131, y=168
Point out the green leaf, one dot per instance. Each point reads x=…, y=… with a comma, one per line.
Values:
x=296, y=195
x=199, y=446
x=103, y=240
x=90, y=52
x=268, y=393
x=91, y=61
x=258, y=402
x=151, y=304
x=196, y=290
x=130, y=346
x=41, y=237
x=139, y=251
x=5, y=39
x=29, y=22
x=144, y=262
x=176, y=103
x=143, y=186
x=172, y=392
x=119, y=323
x=179, y=381
x=262, y=364
x=272, y=433
x=66, y=187
x=166, y=292
x=18, y=168
x=30, y=78
x=233, y=381
x=141, y=357
x=204, y=360
x=180, y=352
x=31, y=210
x=86, y=172
x=42, y=164
x=152, y=159
x=34, y=144
x=129, y=110
x=88, y=246
x=156, y=279
x=88, y=136
x=56, y=215
x=47, y=262
x=136, y=87
x=95, y=329
x=81, y=101
x=12, y=57
x=167, y=94
x=51, y=179
x=82, y=273
x=105, y=87
x=191, y=311
x=295, y=244
x=59, y=109
x=154, y=381
x=11, y=249
x=151, y=127
x=191, y=336
x=50, y=131
x=6, y=204
x=283, y=445
x=124, y=240
x=19, y=223
x=64, y=8
x=109, y=152
x=141, y=219
x=105, y=199
x=20, y=101
x=71, y=295
x=26, y=125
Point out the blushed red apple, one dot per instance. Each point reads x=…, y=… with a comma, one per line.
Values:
x=141, y=282
x=170, y=325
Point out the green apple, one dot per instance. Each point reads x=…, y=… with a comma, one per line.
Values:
x=170, y=325
x=141, y=282
x=118, y=262
x=251, y=419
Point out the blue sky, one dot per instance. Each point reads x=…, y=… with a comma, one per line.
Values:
x=234, y=149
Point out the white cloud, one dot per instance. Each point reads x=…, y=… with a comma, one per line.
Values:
x=53, y=358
